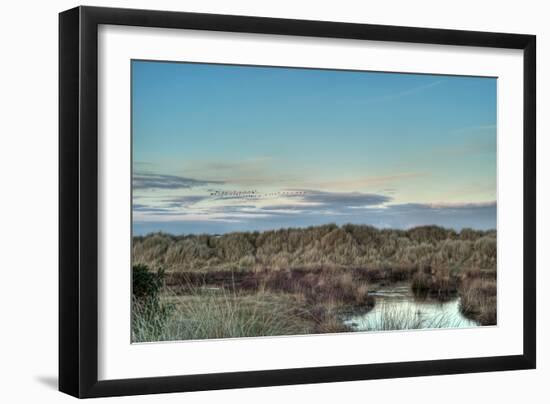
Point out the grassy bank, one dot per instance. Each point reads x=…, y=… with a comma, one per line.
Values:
x=270, y=303
x=204, y=314
x=478, y=294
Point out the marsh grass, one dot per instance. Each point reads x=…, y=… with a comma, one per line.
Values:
x=205, y=313
x=150, y=319
x=229, y=305
x=392, y=317
x=388, y=252
x=317, y=286
x=438, y=283
x=478, y=300
x=300, y=281
x=293, y=302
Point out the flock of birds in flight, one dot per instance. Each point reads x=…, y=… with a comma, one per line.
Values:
x=252, y=194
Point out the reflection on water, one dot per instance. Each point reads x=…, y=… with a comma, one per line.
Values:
x=397, y=309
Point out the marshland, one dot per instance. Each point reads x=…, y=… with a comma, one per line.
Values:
x=320, y=279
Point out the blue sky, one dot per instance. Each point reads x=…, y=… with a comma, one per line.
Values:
x=220, y=148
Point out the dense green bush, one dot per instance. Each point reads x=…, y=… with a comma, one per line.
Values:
x=145, y=283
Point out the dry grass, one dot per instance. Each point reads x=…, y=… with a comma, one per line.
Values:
x=392, y=317
x=438, y=283
x=316, y=286
x=478, y=300
x=294, y=281
x=292, y=302
x=208, y=313
x=276, y=303
x=350, y=246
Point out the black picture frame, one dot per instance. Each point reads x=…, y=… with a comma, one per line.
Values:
x=78, y=201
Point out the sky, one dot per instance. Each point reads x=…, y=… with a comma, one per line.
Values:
x=222, y=148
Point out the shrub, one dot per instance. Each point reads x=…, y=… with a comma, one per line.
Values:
x=146, y=284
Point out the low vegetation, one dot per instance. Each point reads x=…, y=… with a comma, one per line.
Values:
x=273, y=303
x=149, y=314
x=302, y=281
x=439, y=283
x=348, y=246
x=393, y=318
x=203, y=313
x=478, y=298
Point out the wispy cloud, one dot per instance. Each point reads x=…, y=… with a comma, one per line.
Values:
x=247, y=218
x=199, y=209
x=287, y=202
x=184, y=201
x=413, y=90
x=461, y=205
x=164, y=181
x=149, y=210
x=342, y=199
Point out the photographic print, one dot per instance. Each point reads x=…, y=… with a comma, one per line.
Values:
x=277, y=201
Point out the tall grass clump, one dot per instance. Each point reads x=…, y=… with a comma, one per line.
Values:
x=391, y=317
x=205, y=314
x=226, y=314
x=438, y=283
x=478, y=300
x=319, y=286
